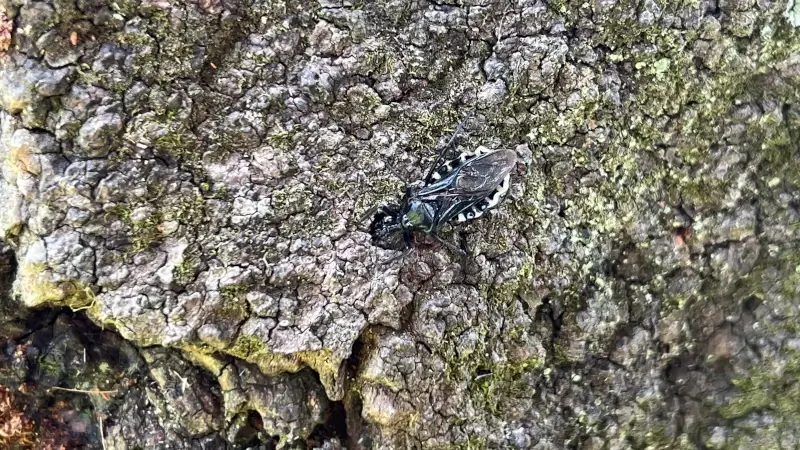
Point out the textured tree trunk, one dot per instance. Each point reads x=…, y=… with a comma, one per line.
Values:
x=182, y=268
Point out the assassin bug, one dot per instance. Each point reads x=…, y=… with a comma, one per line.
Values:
x=454, y=191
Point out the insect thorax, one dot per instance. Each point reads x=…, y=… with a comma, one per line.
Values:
x=418, y=215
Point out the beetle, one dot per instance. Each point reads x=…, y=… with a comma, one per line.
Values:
x=454, y=191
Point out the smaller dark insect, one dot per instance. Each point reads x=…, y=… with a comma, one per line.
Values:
x=455, y=191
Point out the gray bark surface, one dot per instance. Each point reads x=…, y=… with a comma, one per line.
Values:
x=181, y=267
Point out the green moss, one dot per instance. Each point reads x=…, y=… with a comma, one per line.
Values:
x=281, y=138
x=235, y=309
x=234, y=292
x=461, y=366
x=51, y=364
x=246, y=346
x=364, y=101
x=386, y=187
x=472, y=442
x=146, y=232
x=134, y=40
x=170, y=49
x=85, y=75
x=359, y=106
x=505, y=295
x=779, y=146
x=289, y=201
x=182, y=144
x=773, y=275
x=641, y=434
x=184, y=272
x=490, y=384
x=189, y=211
x=771, y=388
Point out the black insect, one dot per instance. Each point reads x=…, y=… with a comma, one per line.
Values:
x=453, y=192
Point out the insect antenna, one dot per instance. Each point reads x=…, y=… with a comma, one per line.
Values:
x=374, y=209
x=396, y=173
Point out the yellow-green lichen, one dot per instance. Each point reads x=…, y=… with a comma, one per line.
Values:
x=325, y=363
x=36, y=285
x=378, y=63
x=472, y=442
x=252, y=349
x=13, y=232
x=432, y=125
x=504, y=381
x=389, y=383
x=204, y=357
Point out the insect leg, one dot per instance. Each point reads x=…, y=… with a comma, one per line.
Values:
x=409, y=248
x=457, y=131
x=401, y=256
x=450, y=246
x=450, y=141
x=407, y=239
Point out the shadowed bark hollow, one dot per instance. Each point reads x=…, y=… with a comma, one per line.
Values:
x=181, y=268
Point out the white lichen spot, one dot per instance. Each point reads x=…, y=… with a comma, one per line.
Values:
x=792, y=12
x=174, y=257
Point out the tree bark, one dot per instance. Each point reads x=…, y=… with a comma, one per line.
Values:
x=182, y=267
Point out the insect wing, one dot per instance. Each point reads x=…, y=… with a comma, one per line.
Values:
x=476, y=178
x=484, y=173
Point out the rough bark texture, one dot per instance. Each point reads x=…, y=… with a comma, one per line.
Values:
x=180, y=181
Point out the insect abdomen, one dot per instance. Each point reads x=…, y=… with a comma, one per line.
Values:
x=489, y=202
